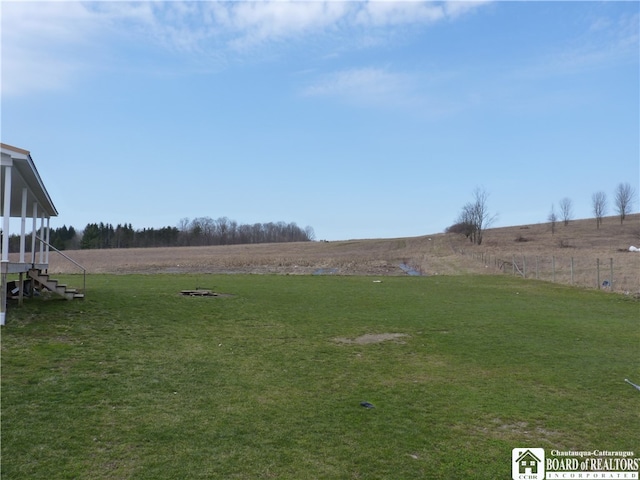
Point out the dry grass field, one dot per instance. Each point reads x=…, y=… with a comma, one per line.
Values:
x=536, y=251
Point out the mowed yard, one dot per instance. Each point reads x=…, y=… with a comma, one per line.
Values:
x=140, y=382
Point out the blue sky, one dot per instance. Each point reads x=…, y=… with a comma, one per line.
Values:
x=359, y=119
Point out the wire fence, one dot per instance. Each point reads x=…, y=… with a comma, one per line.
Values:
x=621, y=274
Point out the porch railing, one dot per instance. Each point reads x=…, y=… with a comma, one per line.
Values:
x=84, y=270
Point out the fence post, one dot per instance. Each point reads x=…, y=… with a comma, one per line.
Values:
x=571, y=270
x=513, y=264
x=611, y=275
x=524, y=266
x=553, y=268
x=598, y=272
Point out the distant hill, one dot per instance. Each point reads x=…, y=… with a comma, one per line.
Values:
x=530, y=246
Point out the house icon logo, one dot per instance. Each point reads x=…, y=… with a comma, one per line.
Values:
x=527, y=463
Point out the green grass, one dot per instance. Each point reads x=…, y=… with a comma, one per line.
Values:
x=139, y=382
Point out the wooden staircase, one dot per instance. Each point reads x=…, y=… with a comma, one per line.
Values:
x=42, y=281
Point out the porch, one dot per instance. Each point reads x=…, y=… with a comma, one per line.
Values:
x=24, y=196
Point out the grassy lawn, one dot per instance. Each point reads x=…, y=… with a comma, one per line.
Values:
x=139, y=382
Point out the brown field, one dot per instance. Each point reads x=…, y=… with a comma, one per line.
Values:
x=536, y=251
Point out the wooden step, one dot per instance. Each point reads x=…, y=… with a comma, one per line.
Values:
x=52, y=285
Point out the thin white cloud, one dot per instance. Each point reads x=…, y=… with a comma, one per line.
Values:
x=253, y=23
x=605, y=42
x=398, y=13
x=372, y=87
x=360, y=83
x=47, y=45
x=40, y=45
x=456, y=9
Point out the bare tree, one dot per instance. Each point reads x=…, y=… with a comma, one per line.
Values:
x=462, y=225
x=566, y=210
x=475, y=216
x=222, y=231
x=467, y=223
x=482, y=216
x=183, y=224
x=599, y=203
x=624, y=200
x=553, y=218
x=183, y=227
x=310, y=233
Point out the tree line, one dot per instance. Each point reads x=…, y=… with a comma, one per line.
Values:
x=475, y=217
x=201, y=231
x=623, y=199
x=223, y=231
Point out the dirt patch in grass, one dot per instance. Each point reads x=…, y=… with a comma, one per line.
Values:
x=503, y=430
x=370, y=338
